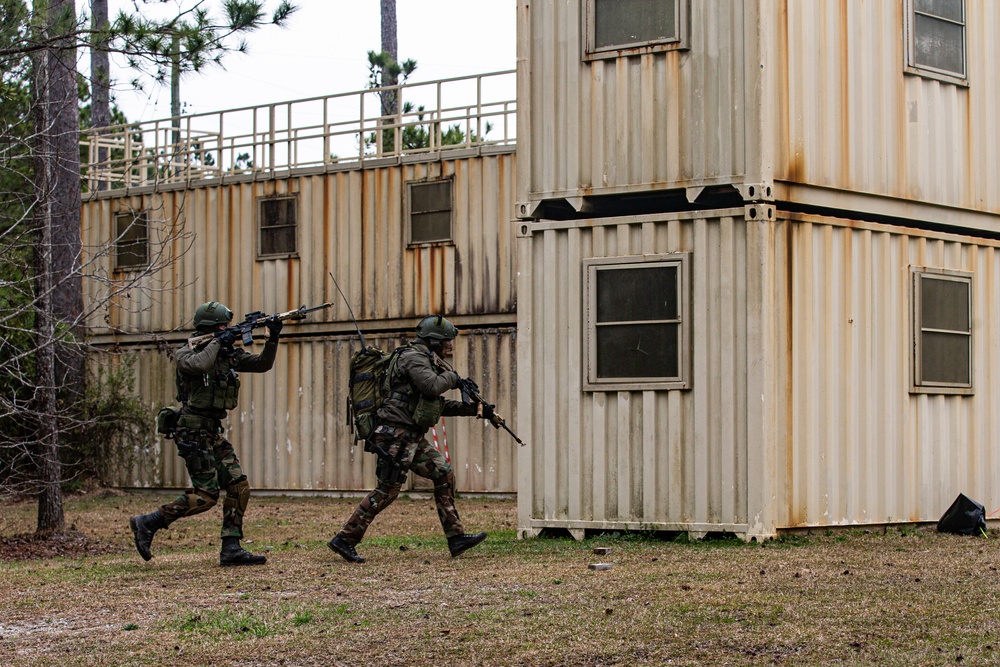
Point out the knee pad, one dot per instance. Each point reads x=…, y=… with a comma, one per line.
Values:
x=238, y=495
x=199, y=500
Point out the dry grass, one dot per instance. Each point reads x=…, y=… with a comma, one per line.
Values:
x=909, y=597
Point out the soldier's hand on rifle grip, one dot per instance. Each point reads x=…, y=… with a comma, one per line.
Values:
x=488, y=411
x=274, y=326
x=469, y=391
x=226, y=337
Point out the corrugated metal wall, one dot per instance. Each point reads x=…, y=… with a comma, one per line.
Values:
x=838, y=439
x=811, y=315
x=859, y=447
x=849, y=117
x=836, y=110
x=653, y=121
x=655, y=460
x=350, y=223
x=290, y=425
x=290, y=428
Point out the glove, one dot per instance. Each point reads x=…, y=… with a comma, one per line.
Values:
x=226, y=337
x=488, y=412
x=274, y=326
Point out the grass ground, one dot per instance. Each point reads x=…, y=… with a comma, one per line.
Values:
x=896, y=597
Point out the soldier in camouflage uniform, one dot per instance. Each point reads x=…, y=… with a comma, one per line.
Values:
x=412, y=405
x=208, y=387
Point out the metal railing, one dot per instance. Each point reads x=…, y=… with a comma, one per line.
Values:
x=347, y=128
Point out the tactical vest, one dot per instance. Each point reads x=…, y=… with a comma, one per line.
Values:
x=218, y=389
x=399, y=391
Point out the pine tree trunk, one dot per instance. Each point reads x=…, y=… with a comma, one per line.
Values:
x=390, y=101
x=100, y=82
x=175, y=102
x=67, y=292
x=59, y=297
x=50, y=513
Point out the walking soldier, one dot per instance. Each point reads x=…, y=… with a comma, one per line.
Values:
x=208, y=387
x=412, y=403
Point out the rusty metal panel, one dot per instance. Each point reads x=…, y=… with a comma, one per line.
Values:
x=658, y=120
x=859, y=448
x=832, y=103
x=654, y=460
x=289, y=426
x=204, y=241
x=850, y=118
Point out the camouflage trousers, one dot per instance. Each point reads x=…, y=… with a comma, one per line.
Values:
x=407, y=451
x=212, y=466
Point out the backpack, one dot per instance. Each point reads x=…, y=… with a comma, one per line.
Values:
x=365, y=389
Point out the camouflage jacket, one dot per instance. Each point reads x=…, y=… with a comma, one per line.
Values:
x=205, y=364
x=417, y=371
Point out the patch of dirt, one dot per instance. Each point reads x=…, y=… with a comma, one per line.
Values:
x=32, y=546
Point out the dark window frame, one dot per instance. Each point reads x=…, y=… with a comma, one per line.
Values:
x=676, y=42
x=919, y=384
x=591, y=274
x=911, y=12
x=262, y=229
x=133, y=220
x=410, y=212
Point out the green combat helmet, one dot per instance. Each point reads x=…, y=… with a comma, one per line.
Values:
x=435, y=327
x=211, y=314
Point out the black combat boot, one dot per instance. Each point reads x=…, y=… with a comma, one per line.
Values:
x=345, y=550
x=144, y=526
x=233, y=554
x=460, y=543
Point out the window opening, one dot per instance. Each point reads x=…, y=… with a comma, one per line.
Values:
x=936, y=38
x=942, y=346
x=131, y=240
x=278, y=224
x=638, y=322
x=631, y=27
x=430, y=208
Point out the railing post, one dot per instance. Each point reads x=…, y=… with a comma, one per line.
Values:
x=326, y=131
x=270, y=135
x=479, y=111
x=291, y=144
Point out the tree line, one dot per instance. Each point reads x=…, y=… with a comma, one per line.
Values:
x=56, y=418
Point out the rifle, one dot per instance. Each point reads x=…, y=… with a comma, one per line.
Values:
x=471, y=390
x=255, y=320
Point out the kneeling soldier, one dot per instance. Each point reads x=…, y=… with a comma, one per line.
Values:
x=414, y=404
x=208, y=387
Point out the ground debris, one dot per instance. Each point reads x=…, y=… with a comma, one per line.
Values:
x=31, y=546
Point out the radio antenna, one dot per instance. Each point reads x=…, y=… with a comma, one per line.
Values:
x=348, y=303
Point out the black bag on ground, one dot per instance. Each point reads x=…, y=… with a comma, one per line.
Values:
x=964, y=517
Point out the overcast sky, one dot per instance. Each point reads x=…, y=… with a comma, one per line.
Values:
x=323, y=48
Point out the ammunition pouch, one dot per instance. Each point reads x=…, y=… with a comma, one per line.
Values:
x=191, y=432
x=222, y=393
x=190, y=423
x=166, y=421
x=364, y=426
x=428, y=411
